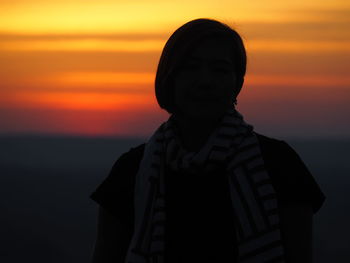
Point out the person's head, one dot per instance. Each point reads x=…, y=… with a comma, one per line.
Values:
x=201, y=69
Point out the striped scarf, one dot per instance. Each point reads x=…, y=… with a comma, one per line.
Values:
x=233, y=145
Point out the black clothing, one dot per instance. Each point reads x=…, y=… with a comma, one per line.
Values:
x=203, y=207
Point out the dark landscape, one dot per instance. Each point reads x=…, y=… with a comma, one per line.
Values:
x=47, y=216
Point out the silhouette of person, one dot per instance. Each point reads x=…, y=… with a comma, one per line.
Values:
x=206, y=187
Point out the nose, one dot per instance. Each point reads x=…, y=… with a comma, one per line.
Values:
x=206, y=78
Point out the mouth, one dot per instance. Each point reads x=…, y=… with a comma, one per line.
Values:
x=205, y=98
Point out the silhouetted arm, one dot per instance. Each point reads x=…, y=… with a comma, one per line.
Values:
x=112, y=239
x=296, y=228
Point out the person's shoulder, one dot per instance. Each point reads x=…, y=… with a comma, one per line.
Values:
x=265, y=138
x=277, y=150
x=289, y=172
x=116, y=191
x=269, y=143
x=130, y=158
x=134, y=152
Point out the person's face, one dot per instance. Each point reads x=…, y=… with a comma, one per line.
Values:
x=205, y=84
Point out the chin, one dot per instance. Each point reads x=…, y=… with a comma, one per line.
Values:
x=202, y=110
x=206, y=114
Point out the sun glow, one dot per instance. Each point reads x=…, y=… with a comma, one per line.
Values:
x=83, y=67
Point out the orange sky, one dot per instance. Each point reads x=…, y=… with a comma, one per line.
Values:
x=87, y=67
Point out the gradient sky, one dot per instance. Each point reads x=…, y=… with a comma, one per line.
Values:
x=87, y=67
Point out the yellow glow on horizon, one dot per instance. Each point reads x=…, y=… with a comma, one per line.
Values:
x=297, y=81
x=297, y=46
x=153, y=16
x=102, y=78
x=157, y=45
x=82, y=45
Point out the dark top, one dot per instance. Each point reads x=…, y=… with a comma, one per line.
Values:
x=194, y=205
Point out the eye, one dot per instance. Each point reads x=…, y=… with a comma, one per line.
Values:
x=221, y=70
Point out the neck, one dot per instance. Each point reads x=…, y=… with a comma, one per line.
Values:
x=194, y=133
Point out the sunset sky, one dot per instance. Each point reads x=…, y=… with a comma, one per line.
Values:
x=87, y=67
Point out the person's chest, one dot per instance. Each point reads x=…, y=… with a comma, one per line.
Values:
x=199, y=215
x=197, y=194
